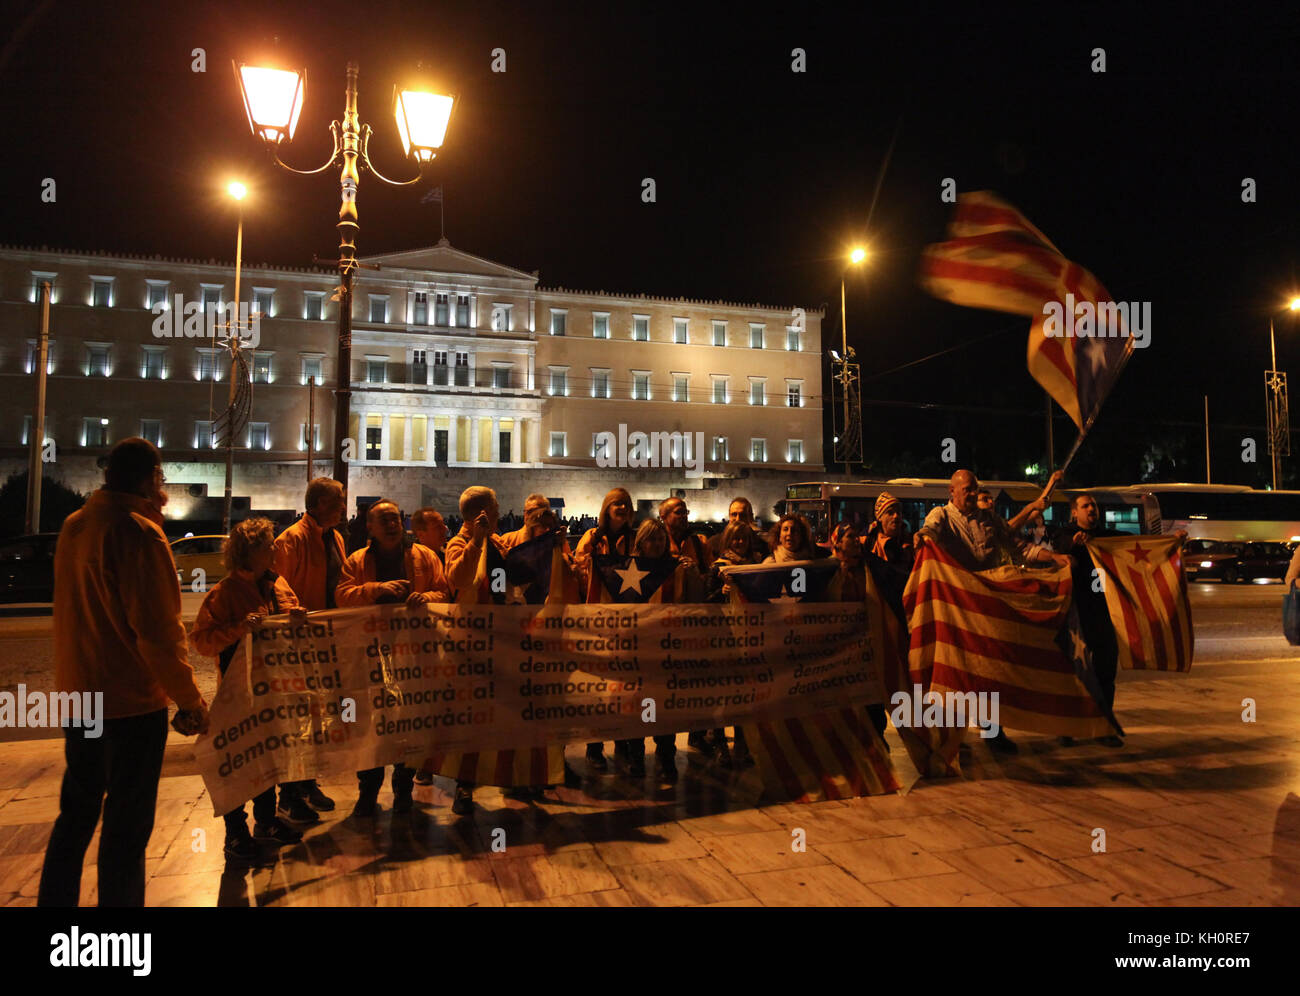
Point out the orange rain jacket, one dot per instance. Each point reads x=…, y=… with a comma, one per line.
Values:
x=300, y=560
x=220, y=621
x=357, y=584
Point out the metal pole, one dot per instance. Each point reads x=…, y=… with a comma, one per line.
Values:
x=348, y=226
x=1275, y=457
x=311, y=424
x=1051, y=441
x=1207, y=439
x=233, y=335
x=844, y=372
x=37, y=442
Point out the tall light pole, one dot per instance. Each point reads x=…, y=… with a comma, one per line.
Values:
x=238, y=191
x=1276, y=405
x=273, y=100
x=848, y=434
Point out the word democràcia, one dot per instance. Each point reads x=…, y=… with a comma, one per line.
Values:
x=190, y=320
x=1102, y=320
x=654, y=449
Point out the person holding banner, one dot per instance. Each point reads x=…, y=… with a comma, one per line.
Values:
x=612, y=534
x=430, y=530
x=309, y=556
x=739, y=512
x=232, y=610
x=389, y=570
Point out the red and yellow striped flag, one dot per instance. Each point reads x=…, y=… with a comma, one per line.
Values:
x=998, y=631
x=1146, y=592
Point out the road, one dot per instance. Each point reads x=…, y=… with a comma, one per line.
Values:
x=1238, y=630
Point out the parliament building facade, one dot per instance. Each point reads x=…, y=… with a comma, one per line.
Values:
x=464, y=371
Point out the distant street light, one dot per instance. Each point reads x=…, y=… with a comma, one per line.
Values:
x=847, y=377
x=273, y=100
x=1276, y=404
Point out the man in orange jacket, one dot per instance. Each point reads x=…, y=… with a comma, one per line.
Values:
x=389, y=570
x=309, y=556
x=117, y=633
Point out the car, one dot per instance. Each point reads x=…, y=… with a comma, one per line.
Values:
x=1232, y=561
x=1264, y=560
x=27, y=568
x=199, y=553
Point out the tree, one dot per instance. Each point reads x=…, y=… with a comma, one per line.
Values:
x=57, y=503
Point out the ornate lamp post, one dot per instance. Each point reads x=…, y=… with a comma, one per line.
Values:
x=848, y=431
x=273, y=100
x=1275, y=401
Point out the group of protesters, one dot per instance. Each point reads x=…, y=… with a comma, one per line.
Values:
x=117, y=620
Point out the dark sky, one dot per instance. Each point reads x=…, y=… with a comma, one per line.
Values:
x=763, y=176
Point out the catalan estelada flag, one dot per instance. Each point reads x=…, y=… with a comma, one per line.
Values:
x=1000, y=631
x=1146, y=592
x=994, y=258
x=538, y=572
x=835, y=754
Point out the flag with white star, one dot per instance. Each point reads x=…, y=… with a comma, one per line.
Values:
x=636, y=579
x=530, y=567
x=786, y=582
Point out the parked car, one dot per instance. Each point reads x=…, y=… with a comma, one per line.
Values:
x=1232, y=561
x=1264, y=560
x=199, y=553
x=27, y=568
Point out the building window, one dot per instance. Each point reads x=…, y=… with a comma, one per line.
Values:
x=679, y=331
x=501, y=317
x=379, y=307
x=440, y=368
x=756, y=336
x=757, y=392
x=97, y=360
x=153, y=366
x=600, y=383
x=208, y=367
x=600, y=325
x=440, y=309
x=501, y=376
x=151, y=429
x=641, y=328
x=420, y=309
x=101, y=292
x=719, y=390
x=94, y=431
x=640, y=385
x=374, y=441
x=559, y=382
x=792, y=342
x=794, y=452
x=681, y=387
x=42, y=277
x=156, y=294
x=758, y=450
x=462, y=370
x=559, y=319
x=794, y=393
x=203, y=436
x=420, y=366
x=264, y=301
x=559, y=447
x=261, y=368
x=311, y=367
x=211, y=297
x=259, y=435
x=313, y=305
x=719, y=333
x=720, y=448
x=376, y=370
x=315, y=436
x=462, y=311
x=29, y=364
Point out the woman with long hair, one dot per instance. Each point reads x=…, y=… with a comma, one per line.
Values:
x=791, y=539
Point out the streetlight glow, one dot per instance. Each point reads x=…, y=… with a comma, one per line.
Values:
x=237, y=190
x=273, y=100
x=422, y=120
x=1295, y=304
x=858, y=255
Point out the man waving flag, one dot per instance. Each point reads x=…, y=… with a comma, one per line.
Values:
x=994, y=258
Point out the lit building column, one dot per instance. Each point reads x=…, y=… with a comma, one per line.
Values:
x=406, y=438
x=535, y=441
x=516, y=440
x=494, y=443
x=473, y=377
x=473, y=439
x=384, y=437
x=532, y=382
x=452, y=423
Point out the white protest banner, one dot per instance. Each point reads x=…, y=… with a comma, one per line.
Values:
x=358, y=688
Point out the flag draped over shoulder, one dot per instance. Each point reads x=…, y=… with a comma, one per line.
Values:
x=994, y=258
x=537, y=572
x=835, y=754
x=1000, y=631
x=1146, y=593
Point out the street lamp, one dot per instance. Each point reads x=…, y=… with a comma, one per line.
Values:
x=847, y=377
x=1275, y=401
x=238, y=191
x=273, y=100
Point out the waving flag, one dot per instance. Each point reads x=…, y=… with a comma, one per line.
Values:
x=1146, y=593
x=994, y=258
x=789, y=581
x=999, y=631
x=635, y=579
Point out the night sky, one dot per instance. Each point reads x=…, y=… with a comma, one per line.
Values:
x=764, y=178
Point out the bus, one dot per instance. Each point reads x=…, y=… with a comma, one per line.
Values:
x=825, y=504
x=1225, y=511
